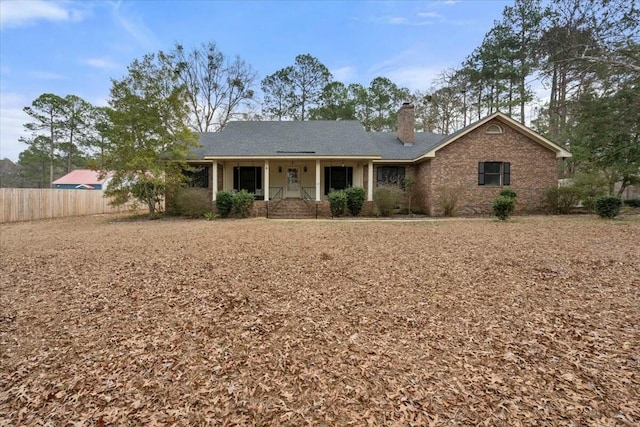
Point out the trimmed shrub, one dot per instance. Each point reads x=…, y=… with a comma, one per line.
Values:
x=560, y=200
x=503, y=207
x=507, y=192
x=192, y=202
x=355, y=200
x=633, y=203
x=608, y=206
x=337, y=202
x=387, y=198
x=224, y=203
x=243, y=203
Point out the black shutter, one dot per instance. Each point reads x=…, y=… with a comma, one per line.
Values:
x=481, y=173
x=506, y=173
x=258, y=178
x=349, y=182
x=236, y=177
x=327, y=180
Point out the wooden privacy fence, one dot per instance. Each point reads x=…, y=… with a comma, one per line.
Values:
x=25, y=204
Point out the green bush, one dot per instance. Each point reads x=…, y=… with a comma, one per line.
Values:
x=633, y=203
x=337, y=202
x=386, y=199
x=608, y=206
x=224, y=203
x=503, y=207
x=192, y=202
x=507, y=192
x=560, y=200
x=591, y=186
x=355, y=200
x=243, y=203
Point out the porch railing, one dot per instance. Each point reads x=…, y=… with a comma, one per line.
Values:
x=309, y=193
x=275, y=193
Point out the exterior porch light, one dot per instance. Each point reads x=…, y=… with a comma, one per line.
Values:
x=305, y=168
x=279, y=169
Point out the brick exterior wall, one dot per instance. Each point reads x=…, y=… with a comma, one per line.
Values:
x=455, y=169
x=406, y=123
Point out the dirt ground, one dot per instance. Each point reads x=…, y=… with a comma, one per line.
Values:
x=535, y=321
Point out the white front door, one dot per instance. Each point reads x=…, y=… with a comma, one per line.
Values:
x=292, y=189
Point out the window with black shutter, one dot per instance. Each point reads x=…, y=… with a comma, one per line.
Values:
x=494, y=173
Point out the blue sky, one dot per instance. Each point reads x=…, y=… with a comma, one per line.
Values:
x=77, y=47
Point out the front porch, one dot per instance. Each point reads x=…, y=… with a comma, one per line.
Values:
x=280, y=179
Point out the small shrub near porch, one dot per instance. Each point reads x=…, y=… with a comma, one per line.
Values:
x=355, y=200
x=387, y=199
x=238, y=203
x=337, y=202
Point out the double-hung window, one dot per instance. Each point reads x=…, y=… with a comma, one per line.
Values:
x=390, y=175
x=494, y=173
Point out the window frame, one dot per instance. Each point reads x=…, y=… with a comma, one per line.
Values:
x=257, y=178
x=504, y=174
x=328, y=180
x=400, y=175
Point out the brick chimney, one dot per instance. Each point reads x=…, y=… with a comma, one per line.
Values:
x=406, y=122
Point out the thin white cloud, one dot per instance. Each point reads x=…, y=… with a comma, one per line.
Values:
x=429, y=15
x=415, y=77
x=12, y=119
x=133, y=25
x=397, y=20
x=101, y=63
x=344, y=74
x=45, y=75
x=27, y=12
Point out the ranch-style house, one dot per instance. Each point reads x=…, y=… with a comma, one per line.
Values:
x=297, y=163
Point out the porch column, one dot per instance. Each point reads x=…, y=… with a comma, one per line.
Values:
x=214, y=179
x=370, y=182
x=266, y=180
x=318, y=180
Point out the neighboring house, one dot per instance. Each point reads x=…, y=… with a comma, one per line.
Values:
x=307, y=160
x=82, y=179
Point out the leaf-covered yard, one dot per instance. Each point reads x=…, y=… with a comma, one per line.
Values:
x=531, y=322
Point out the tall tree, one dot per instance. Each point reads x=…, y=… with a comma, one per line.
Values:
x=363, y=104
x=524, y=21
x=47, y=112
x=217, y=86
x=334, y=104
x=386, y=97
x=294, y=90
x=606, y=134
x=279, y=95
x=33, y=166
x=75, y=121
x=150, y=132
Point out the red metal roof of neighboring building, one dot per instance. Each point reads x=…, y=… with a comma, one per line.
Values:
x=81, y=176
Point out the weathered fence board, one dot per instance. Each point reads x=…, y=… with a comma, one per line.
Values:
x=26, y=204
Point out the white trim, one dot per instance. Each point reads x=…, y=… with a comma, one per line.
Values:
x=318, y=180
x=370, y=182
x=214, y=180
x=254, y=158
x=560, y=152
x=265, y=180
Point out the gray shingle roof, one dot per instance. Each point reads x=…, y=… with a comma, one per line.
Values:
x=391, y=148
x=310, y=138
